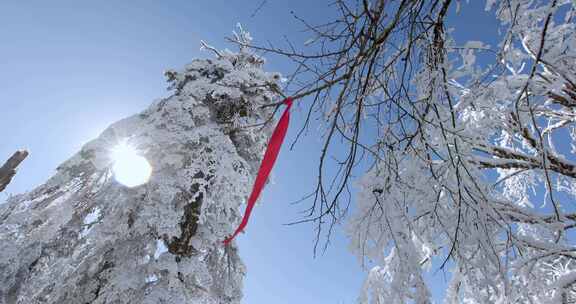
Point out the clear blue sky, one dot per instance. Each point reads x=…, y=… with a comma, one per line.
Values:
x=70, y=68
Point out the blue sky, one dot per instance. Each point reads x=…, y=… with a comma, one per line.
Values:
x=70, y=68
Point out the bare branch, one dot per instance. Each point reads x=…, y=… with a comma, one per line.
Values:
x=8, y=170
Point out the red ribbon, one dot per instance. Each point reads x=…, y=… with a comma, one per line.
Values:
x=266, y=166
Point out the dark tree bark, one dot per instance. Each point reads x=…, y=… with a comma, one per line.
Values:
x=8, y=170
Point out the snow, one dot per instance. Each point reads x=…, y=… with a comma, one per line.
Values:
x=92, y=217
x=151, y=278
x=484, y=185
x=160, y=249
x=84, y=229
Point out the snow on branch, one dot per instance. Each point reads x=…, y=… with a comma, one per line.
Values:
x=468, y=163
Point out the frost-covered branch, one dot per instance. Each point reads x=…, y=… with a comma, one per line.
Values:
x=466, y=165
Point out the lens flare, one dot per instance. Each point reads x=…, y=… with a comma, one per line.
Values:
x=130, y=168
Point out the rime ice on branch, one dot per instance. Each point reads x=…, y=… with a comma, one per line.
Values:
x=470, y=148
x=478, y=176
x=84, y=238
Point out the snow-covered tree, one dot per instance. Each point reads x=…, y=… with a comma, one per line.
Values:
x=84, y=237
x=469, y=165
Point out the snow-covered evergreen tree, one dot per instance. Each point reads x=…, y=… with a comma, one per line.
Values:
x=83, y=237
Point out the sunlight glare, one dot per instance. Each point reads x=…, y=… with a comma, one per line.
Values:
x=130, y=169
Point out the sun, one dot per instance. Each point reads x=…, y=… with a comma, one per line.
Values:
x=130, y=168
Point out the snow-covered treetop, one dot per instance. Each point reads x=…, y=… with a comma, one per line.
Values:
x=103, y=242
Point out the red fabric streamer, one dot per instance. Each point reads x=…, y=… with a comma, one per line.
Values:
x=266, y=166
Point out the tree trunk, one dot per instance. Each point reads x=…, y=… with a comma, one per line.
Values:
x=82, y=237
